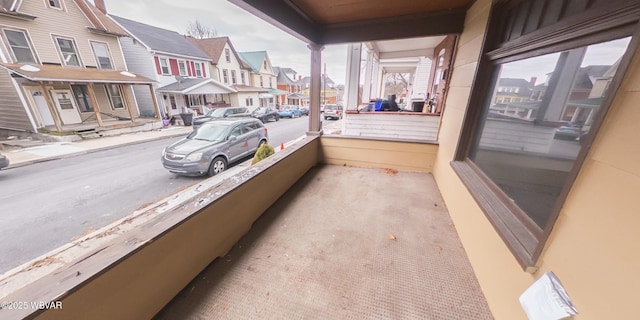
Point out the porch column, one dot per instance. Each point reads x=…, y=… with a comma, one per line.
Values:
x=354, y=52
x=52, y=109
x=368, y=77
x=155, y=102
x=94, y=103
x=314, y=90
x=125, y=92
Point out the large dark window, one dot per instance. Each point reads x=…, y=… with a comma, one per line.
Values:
x=20, y=46
x=544, y=94
x=81, y=93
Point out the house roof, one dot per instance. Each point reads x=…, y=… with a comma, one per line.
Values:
x=281, y=76
x=87, y=75
x=214, y=47
x=100, y=21
x=254, y=59
x=243, y=88
x=161, y=40
x=307, y=80
x=587, y=75
x=197, y=86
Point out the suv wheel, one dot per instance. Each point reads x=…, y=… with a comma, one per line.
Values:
x=218, y=165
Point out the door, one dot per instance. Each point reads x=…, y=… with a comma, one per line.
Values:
x=40, y=103
x=63, y=99
x=237, y=143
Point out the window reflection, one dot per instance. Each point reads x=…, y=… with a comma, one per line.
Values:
x=541, y=109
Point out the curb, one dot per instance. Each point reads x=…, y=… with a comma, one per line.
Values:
x=73, y=154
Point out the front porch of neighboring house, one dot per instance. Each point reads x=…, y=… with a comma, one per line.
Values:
x=195, y=96
x=82, y=103
x=298, y=99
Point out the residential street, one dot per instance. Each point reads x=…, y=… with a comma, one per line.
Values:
x=45, y=205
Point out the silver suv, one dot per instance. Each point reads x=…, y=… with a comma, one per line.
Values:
x=220, y=113
x=332, y=111
x=214, y=145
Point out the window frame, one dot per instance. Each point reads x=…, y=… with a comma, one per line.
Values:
x=87, y=98
x=110, y=97
x=227, y=54
x=234, y=79
x=183, y=63
x=59, y=7
x=95, y=54
x=27, y=37
x=522, y=236
x=198, y=69
x=56, y=39
x=225, y=76
x=166, y=60
x=242, y=78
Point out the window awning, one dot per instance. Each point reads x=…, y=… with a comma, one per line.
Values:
x=296, y=95
x=265, y=95
x=65, y=74
x=197, y=86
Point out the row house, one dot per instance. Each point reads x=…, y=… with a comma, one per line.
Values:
x=227, y=67
x=180, y=68
x=285, y=78
x=262, y=75
x=64, y=70
x=328, y=90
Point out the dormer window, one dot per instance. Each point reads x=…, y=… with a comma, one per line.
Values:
x=227, y=55
x=55, y=4
x=265, y=65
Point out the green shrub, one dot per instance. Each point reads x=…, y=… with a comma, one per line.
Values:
x=264, y=151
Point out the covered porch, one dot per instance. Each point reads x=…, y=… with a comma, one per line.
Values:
x=196, y=95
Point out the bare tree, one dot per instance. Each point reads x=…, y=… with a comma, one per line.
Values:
x=396, y=83
x=199, y=30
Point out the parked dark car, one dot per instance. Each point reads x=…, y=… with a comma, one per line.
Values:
x=304, y=110
x=567, y=132
x=214, y=145
x=4, y=161
x=220, y=113
x=265, y=114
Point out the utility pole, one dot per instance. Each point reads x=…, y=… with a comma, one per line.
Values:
x=324, y=85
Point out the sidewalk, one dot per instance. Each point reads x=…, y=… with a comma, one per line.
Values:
x=21, y=156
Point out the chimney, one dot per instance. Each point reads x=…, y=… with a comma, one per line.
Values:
x=532, y=81
x=100, y=5
x=299, y=77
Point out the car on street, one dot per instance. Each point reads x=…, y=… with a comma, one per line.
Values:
x=304, y=110
x=265, y=114
x=567, y=132
x=214, y=145
x=4, y=161
x=221, y=113
x=332, y=111
x=288, y=111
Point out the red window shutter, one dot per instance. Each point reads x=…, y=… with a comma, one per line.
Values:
x=174, y=67
x=193, y=67
x=158, y=69
x=204, y=71
x=188, y=65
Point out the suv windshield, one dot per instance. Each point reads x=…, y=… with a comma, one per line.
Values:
x=217, y=113
x=209, y=132
x=331, y=107
x=260, y=110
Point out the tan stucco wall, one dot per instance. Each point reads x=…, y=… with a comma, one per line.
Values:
x=372, y=153
x=594, y=246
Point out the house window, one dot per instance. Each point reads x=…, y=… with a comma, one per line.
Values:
x=103, y=58
x=83, y=100
x=172, y=101
x=227, y=54
x=249, y=101
x=270, y=82
x=261, y=82
x=198, y=69
x=242, y=77
x=182, y=67
x=68, y=50
x=54, y=4
x=115, y=96
x=20, y=46
x=233, y=77
x=225, y=76
x=265, y=65
x=164, y=66
x=521, y=157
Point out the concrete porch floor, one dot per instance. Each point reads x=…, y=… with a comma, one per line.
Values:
x=342, y=243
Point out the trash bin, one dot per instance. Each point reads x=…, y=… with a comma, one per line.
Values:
x=186, y=118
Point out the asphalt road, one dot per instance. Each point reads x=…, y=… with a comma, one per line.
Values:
x=45, y=205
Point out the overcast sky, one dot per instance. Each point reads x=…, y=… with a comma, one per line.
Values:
x=247, y=32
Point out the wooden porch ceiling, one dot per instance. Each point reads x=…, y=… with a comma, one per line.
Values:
x=343, y=21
